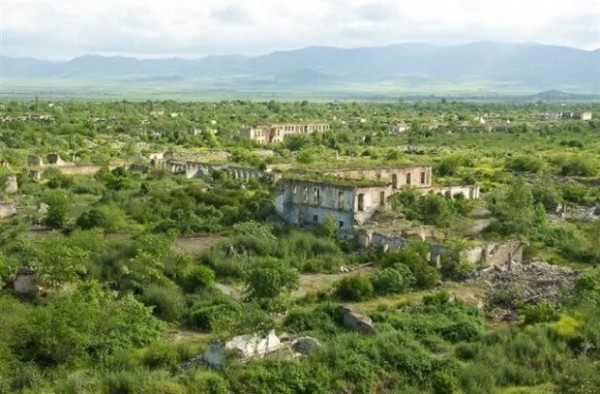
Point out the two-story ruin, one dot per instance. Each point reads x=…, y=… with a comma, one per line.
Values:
x=304, y=201
x=276, y=133
x=418, y=176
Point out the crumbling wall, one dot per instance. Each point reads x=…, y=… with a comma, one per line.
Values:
x=81, y=170
x=356, y=321
x=54, y=159
x=34, y=161
x=7, y=209
x=25, y=284
x=470, y=192
x=502, y=254
x=373, y=200
x=11, y=184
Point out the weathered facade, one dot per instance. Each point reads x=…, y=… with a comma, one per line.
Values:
x=419, y=176
x=276, y=133
x=305, y=202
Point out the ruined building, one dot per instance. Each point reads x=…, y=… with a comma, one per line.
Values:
x=305, y=201
x=418, y=176
x=276, y=133
x=352, y=196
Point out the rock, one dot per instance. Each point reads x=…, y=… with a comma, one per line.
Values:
x=356, y=321
x=304, y=345
x=25, y=284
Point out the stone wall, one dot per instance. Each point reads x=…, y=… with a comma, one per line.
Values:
x=81, y=170
x=7, y=209
x=201, y=170
x=356, y=321
x=497, y=254
x=34, y=161
x=469, y=191
x=54, y=159
x=11, y=184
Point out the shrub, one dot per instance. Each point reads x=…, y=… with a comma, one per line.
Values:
x=198, y=277
x=580, y=166
x=302, y=321
x=354, y=288
x=530, y=164
x=168, y=302
x=212, y=310
x=205, y=382
x=444, y=383
x=542, y=312
x=392, y=280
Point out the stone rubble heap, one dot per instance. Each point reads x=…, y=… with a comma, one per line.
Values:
x=535, y=281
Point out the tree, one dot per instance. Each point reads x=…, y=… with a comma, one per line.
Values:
x=546, y=193
x=58, y=202
x=267, y=277
x=88, y=323
x=514, y=211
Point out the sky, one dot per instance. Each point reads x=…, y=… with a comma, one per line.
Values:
x=63, y=29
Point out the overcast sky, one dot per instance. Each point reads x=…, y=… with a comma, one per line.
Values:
x=58, y=29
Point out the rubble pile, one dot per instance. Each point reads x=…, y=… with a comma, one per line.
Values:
x=534, y=281
x=246, y=347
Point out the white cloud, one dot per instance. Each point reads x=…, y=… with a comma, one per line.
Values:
x=190, y=28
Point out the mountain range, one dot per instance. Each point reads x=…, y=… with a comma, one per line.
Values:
x=475, y=68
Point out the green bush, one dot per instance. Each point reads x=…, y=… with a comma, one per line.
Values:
x=444, y=383
x=392, y=280
x=354, y=288
x=211, y=310
x=205, y=382
x=198, y=277
x=530, y=164
x=167, y=301
x=541, y=312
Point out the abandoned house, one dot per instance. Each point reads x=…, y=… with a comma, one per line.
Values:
x=276, y=133
x=309, y=201
x=418, y=176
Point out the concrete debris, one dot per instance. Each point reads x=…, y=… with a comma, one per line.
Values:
x=532, y=282
x=247, y=347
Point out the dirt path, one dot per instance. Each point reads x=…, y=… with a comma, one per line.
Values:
x=320, y=282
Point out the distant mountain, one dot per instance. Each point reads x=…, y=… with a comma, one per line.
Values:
x=482, y=67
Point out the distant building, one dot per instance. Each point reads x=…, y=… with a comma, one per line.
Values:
x=564, y=116
x=548, y=116
x=577, y=115
x=157, y=111
x=276, y=133
x=398, y=127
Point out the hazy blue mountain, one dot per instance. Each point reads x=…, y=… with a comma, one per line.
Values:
x=410, y=67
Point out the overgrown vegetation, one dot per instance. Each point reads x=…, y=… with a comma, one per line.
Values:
x=124, y=300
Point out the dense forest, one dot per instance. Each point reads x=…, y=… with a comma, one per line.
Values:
x=133, y=275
